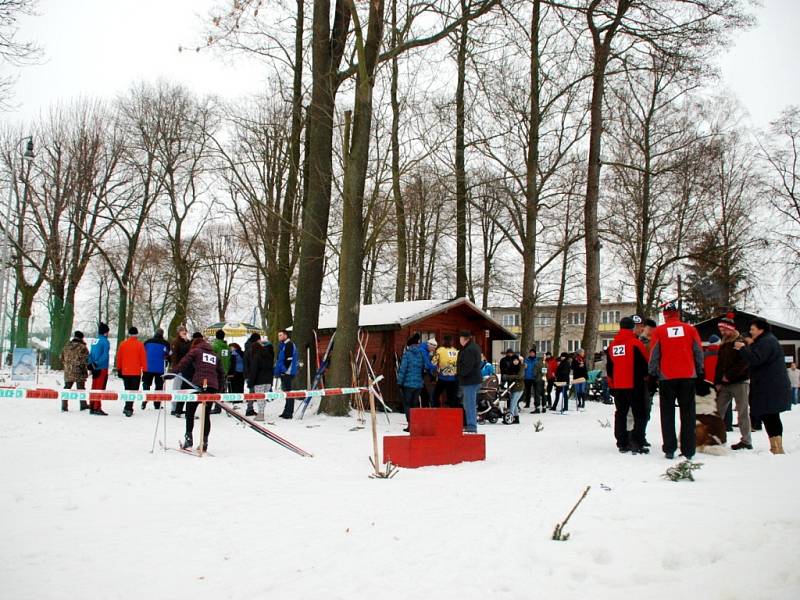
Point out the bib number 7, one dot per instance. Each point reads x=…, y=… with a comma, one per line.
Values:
x=675, y=332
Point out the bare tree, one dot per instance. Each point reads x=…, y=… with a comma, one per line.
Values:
x=13, y=50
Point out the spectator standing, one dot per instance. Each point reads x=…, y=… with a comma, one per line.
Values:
x=179, y=347
x=259, y=362
x=98, y=364
x=157, y=351
x=74, y=358
x=531, y=370
x=794, y=380
x=286, y=366
x=469, y=378
x=562, y=374
x=731, y=377
x=770, y=390
x=676, y=360
x=579, y=376
x=445, y=360
x=627, y=374
x=236, y=369
x=410, y=375
x=552, y=364
x=512, y=372
x=131, y=363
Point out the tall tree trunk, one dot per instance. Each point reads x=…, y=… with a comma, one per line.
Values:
x=27, y=293
x=351, y=259
x=460, y=168
x=327, y=47
x=61, y=315
x=399, y=207
x=528, y=303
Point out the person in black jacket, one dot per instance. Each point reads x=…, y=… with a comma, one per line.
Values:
x=236, y=369
x=732, y=380
x=770, y=390
x=562, y=381
x=468, y=369
x=259, y=359
x=179, y=348
x=579, y=376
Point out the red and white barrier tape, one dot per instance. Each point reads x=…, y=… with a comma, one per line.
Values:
x=168, y=395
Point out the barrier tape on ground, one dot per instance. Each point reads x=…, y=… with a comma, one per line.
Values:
x=167, y=396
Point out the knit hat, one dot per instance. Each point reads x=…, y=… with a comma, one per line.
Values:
x=626, y=323
x=433, y=342
x=133, y=331
x=650, y=323
x=197, y=335
x=102, y=328
x=728, y=322
x=670, y=307
x=78, y=335
x=159, y=332
x=220, y=334
x=465, y=333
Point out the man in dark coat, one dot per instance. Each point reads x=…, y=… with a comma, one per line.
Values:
x=770, y=390
x=731, y=375
x=468, y=369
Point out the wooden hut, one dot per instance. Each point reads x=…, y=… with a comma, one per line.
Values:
x=386, y=327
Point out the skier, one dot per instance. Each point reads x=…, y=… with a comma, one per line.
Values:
x=74, y=357
x=445, y=360
x=731, y=375
x=220, y=346
x=131, y=363
x=627, y=375
x=179, y=348
x=98, y=365
x=676, y=359
x=579, y=376
x=157, y=351
x=770, y=390
x=468, y=370
x=208, y=376
x=259, y=362
x=286, y=366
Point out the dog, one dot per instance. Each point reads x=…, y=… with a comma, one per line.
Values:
x=710, y=429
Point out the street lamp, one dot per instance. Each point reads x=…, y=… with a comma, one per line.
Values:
x=28, y=155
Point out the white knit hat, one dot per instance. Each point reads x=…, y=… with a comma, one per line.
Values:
x=432, y=342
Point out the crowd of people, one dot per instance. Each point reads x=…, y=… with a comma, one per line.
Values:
x=644, y=358
x=208, y=366
x=745, y=371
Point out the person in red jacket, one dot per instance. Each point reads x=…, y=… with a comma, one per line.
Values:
x=131, y=363
x=551, y=362
x=208, y=376
x=676, y=360
x=627, y=378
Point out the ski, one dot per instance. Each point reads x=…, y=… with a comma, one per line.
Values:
x=183, y=450
x=323, y=366
x=263, y=430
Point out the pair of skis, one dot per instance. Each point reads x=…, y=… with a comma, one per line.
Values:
x=322, y=366
x=258, y=428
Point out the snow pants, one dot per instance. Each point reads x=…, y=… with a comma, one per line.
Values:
x=98, y=383
x=681, y=390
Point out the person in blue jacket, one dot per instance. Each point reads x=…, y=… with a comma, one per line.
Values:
x=157, y=351
x=531, y=367
x=413, y=365
x=286, y=366
x=487, y=368
x=98, y=365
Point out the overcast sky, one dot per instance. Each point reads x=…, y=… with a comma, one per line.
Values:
x=98, y=47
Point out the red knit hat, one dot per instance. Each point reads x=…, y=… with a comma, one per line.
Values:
x=727, y=322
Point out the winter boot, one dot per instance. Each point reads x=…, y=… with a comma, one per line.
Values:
x=205, y=445
x=250, y=410
x=144, y=405
x=64, y=406
x=187, y=442
x=516, y=420
x=742, y=445
x=776, y=445
x=84, y=405
x=259, y=416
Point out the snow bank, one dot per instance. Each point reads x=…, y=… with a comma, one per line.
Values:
x=88, y=512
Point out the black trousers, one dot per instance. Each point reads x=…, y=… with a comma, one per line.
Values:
x=635, y=401
x=773, y=425
x=530, y=391
x=191, y=409
x=236, y=383
x=450, y=388
x=288, y=407
x=150, y=378
x=551, y=383
x=410, y=400
x=131, y=384
x=681, y=390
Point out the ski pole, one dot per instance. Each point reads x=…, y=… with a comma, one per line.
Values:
x=155, y=433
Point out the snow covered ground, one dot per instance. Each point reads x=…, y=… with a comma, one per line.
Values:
x=88, y=512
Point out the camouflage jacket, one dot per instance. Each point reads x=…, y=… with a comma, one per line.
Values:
x=74, y=357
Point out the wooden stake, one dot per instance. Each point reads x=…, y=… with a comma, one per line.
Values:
x=374, y=421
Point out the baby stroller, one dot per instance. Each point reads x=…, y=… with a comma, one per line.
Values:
x=490, y=396
x=595, y=387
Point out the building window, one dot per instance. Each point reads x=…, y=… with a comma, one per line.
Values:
x=511, y=320
x=573, y=345
x=544, y=320
x=575, y=318
x=543, y=346
x=513, y=344
x=610, y=317
x=606, y=343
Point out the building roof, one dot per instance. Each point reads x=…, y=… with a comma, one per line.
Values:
x=743, y=319
x=396, y=315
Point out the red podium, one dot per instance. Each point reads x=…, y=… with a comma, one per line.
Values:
x=436, y=439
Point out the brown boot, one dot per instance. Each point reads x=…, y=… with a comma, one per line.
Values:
x=63, y=406
x=776, y=445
